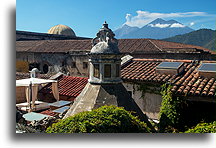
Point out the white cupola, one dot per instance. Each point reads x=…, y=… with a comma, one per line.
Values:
x=105, y=58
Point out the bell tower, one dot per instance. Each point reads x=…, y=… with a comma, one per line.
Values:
x=105, y=58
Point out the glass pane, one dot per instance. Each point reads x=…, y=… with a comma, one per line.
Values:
x=107, y=71
x=169, y=65
x=85, y=65
x=117, y=70
x=96, y=70
x=73, y=65
x=209, y=67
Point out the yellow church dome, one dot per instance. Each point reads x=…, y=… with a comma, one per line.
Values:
x=61, y=30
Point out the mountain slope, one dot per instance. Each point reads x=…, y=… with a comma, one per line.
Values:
x=125, y=29
x=157, y=29
x=203, y=37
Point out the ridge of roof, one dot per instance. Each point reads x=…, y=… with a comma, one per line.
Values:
x=205, y=61
x=155, y=45
x=164, y=60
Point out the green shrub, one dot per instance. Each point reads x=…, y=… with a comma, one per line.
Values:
x=106, y=119
x=203, y=128
x=170, y=111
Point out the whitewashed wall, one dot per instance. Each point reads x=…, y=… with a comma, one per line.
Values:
x=149, y=103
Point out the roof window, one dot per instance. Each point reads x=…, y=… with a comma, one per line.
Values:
x=207, y=70
x=170, y=68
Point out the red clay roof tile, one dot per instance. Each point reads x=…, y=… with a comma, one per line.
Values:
x=189, y=83
x=68, y=86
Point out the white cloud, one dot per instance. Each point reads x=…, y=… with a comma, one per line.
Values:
x=192, y=23
x=177, y=25
x=159, y=25
x=144, y=17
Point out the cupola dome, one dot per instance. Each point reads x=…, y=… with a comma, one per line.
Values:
x=61, y=30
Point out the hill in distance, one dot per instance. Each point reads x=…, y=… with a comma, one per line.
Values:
x=202, y=37
x=157, y=29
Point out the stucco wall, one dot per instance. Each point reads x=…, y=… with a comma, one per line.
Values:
x=58, y=62
x=79, y=70
x=148, y=102
x=20, y=95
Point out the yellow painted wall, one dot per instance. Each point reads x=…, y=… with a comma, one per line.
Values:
x=22, y=66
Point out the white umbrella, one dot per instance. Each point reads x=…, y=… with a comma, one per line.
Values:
x=33, y=81
x=31, y=85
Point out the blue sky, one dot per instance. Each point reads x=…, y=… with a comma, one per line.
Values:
x=85, y=17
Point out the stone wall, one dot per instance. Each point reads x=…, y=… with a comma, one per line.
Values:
x=148, y=102
x=77, y=64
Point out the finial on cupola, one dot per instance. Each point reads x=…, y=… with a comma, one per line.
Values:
x=105, y=24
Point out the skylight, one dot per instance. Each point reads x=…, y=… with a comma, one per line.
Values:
x=207, y=67
x=169, y=65
x=170, y=68
x=207, y=70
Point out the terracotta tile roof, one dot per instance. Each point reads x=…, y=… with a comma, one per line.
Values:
x=51, y=46
x=125, y=46
x=189, y=83
x=169, y=46
x=68, y=86
x=137, y=46
x=22, y=75
x=213, y=52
